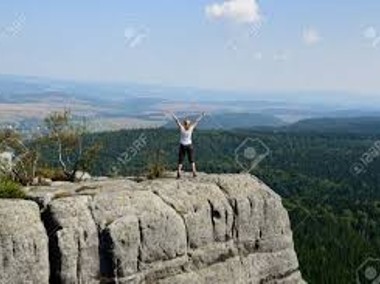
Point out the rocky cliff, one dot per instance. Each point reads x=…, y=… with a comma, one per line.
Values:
x=212, y=229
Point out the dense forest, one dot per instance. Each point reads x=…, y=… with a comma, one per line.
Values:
x=334, y=210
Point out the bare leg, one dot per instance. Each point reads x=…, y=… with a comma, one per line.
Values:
x=194, y=170
x=179, y=170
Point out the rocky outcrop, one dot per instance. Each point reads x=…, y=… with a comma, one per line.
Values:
x=23, y=243
x=212, y=229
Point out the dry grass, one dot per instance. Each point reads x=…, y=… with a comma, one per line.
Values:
x=63, y=194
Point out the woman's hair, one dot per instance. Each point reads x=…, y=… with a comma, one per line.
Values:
x=186, y=123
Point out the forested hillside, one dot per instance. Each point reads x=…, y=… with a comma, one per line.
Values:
x=335, y=211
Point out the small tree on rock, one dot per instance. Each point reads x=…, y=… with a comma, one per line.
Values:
x=68, y=138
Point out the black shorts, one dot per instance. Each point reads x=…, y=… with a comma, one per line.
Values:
x=185, y=150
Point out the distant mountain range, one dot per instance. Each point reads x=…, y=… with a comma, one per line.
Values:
x=228, y=121
x=355, y=125
x=25, y=99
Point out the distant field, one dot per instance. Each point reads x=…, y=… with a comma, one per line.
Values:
x=38, y=110
x=97, y=117
x=102, y=124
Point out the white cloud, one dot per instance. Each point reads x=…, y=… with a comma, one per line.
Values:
x=370, y=33
x=311, y=36
x=241, y=11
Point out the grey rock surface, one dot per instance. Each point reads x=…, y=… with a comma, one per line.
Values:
x=209, y=229
x=23, y=243
x=74, y=256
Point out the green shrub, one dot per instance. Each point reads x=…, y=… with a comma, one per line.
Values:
x=157, y=167
x=156, y=171
x=10, y=189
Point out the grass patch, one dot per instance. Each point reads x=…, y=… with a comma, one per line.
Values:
x=10, y=189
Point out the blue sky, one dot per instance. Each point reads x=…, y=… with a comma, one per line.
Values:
x=283, y=46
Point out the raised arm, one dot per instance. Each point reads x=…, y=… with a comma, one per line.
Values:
x=198, y=120
x=176, y=120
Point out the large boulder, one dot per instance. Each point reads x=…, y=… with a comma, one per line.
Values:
x=211, y=229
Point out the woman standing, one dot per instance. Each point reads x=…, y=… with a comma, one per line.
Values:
x=186, y=144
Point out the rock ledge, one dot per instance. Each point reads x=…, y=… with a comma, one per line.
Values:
x=212, y=229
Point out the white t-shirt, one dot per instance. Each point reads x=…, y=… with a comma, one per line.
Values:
x=186, y=136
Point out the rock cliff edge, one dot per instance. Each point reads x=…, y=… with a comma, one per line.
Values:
x=211, y=229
